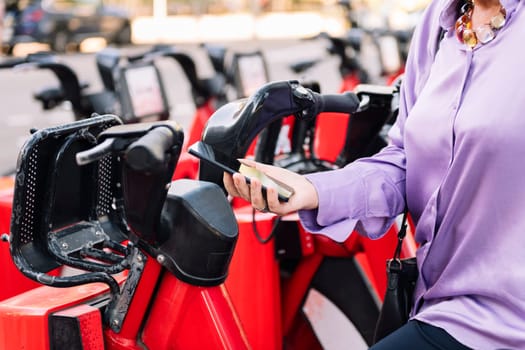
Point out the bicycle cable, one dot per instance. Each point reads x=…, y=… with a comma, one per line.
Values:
x=256, y=230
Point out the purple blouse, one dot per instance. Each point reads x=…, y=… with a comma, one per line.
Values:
x=457, y=154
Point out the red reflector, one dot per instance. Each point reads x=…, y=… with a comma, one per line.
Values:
x=79, y=327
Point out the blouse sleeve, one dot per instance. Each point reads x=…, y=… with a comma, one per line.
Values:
x=369, y=193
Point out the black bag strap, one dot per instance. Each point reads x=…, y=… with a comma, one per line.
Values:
x=401, y=235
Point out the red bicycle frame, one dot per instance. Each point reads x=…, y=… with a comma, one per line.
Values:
x=177, y=316
x=264, y=302
x=167, y=300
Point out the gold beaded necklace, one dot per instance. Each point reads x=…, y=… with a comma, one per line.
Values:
x=483, y=33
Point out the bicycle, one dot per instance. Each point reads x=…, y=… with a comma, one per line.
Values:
x=153, y=253
x=276, y=258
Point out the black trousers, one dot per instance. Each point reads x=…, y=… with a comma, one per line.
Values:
x=421, y=336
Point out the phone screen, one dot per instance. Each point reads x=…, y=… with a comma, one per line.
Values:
x=284, y=191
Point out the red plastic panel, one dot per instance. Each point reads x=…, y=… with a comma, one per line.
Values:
x=187, y=317
x=26, y=315
x=330, y=129
x=253, y=282
x=187, y=167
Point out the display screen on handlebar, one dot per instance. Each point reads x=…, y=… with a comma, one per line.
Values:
x=389, y=54
x=250, y=72
x=142, y=93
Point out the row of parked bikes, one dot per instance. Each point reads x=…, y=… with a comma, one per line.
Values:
x=119, y=238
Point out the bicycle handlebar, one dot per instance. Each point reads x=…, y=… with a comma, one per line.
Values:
x=70, y=87
x=34, y=57
x=347, y=102
x=145, y=145
x=69, y=82
x=149, y=151
x=232, y=128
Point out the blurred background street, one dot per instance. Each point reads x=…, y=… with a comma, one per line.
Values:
x=20, y=111
x=277, y=28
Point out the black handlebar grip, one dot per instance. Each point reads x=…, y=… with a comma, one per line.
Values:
x=148, y=152
x=347, y=102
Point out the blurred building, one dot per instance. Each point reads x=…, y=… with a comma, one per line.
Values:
x=191, y=7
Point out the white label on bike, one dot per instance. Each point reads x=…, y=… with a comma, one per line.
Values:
x=332, y=328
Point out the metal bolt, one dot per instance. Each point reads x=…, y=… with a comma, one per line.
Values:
x=98, y=233
x=115, y=322
x=65, y=245
x=161, y=259
x=5, y=237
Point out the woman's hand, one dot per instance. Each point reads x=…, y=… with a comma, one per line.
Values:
x=304, y=197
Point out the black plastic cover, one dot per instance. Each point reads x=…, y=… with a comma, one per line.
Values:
x=200, y=232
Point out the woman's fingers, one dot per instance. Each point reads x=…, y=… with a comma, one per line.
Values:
x=237, y=186
x=229, y=185
x=243, y=189
x=257, y=199
x=272, y=202
x=305, y=196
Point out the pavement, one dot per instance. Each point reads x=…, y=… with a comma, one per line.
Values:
x=240, y=27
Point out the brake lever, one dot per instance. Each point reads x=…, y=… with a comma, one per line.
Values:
x=95, y=153
x=106, y=147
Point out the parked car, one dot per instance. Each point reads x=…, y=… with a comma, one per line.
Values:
x=61, y=23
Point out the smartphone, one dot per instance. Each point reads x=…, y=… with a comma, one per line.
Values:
x=284, y=192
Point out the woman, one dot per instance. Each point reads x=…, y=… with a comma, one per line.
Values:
x=456, y=159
